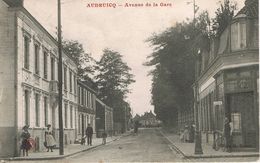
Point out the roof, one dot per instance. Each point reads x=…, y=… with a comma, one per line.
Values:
x=250, y=9
x=14, y=3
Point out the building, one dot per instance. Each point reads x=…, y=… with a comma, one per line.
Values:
x=86, y=108
x=29, y=81
x=228, y=80
x=104, y=118
x=148, y=120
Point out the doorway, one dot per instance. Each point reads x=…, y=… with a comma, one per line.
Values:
x=240, y=110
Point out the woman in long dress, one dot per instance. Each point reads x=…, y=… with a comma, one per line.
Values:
x=49, y=139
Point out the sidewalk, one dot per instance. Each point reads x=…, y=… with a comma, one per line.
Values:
x=69, y=150
x=187, y=149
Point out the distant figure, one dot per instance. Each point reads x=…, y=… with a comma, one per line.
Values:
x=26, y=145
x=191, y=133
x=49, y=139
x=136, y=125
x=89, y=133
x=186, y=134
x=104, y=137
x=227, y=134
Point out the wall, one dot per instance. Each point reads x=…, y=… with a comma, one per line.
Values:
x=7, y=82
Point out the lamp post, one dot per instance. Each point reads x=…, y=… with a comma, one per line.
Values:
x=61, y=147
x=198, y=147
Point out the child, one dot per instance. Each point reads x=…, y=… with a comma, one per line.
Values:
x=26, y=146
x=104, y=136
x=83, y=140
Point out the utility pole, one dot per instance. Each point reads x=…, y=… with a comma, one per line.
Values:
x=198, y=148
x=61, y=149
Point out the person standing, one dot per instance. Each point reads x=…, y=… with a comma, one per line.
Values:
x=104, y=137
x=89, y=133
x=227, y=134
x=26, y=145
x=49, y=139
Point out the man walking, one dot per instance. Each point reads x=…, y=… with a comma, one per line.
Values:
x=89, y=133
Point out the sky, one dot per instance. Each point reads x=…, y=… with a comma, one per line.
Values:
x=123, y=29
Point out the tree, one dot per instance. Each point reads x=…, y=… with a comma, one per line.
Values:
x=83, y=60
x=113, y=79
x=173, y=62
x=224, y=15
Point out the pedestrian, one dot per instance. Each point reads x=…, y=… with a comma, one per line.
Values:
x=104, y=137
x=89, y=133
x=136, y=125
x=191, y=133
x=227, y=134
x=26, y=145
x=186, y=134
x=49, y=139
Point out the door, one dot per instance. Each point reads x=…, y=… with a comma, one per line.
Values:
x=240, y=108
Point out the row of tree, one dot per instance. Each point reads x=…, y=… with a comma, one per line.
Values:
x=173, y=60
x=110, y=76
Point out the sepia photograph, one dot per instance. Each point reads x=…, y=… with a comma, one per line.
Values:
x=129, y=81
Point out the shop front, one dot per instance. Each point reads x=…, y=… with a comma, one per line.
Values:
x=237, y=89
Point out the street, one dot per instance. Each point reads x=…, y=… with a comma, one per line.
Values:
x=148, y=146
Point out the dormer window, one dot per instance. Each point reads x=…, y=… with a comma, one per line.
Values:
x=238, y=35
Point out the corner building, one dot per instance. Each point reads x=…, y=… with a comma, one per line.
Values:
x=228, y=81
x=29, y=81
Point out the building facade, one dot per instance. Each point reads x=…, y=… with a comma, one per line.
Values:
x=29, y=81
x=104, y=119
x=228, y=81
x=86, y=108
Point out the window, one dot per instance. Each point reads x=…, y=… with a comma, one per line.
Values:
x=255, y=34
x=52, y=68
x=45, y=65
x=37, y=110
x=82, y=97
x=238, y=35
x=79, y=124
x=70, y=81
x=36, y=59
x=65, y=78
x=66, y=115
x=26, y=107
x=26, y=52
x=79, y=97
x=71, y=116
x=75, y=85
x=236, y=122
x=45, y=104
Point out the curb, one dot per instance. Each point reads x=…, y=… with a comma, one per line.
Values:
x=206, y=156
x=63, y=156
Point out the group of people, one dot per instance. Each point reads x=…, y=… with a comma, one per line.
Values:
x=187, y=135
x=27, y=142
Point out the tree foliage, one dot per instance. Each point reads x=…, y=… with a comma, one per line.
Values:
x=83, y=60
x=113, y=79
x=224, y=15
x=173, y=61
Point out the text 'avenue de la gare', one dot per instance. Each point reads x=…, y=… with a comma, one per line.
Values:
x=129, y=5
